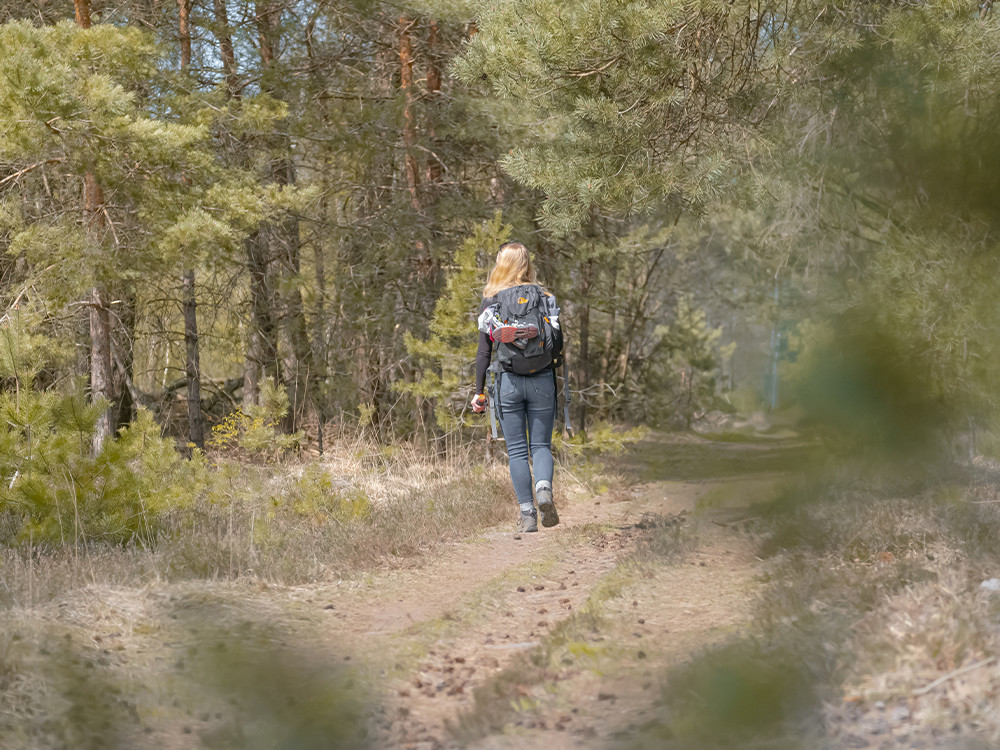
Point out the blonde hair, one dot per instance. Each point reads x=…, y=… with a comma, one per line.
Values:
x=513, y=267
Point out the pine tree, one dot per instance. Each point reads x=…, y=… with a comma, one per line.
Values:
x=641, y=104
x=447, y=355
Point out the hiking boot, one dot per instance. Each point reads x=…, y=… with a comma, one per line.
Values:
x=528, y=522
x=546, y=508
x=508, y=333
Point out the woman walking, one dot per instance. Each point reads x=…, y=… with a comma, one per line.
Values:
x=520, y=320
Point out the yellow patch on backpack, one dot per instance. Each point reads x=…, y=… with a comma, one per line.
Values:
x=522, y=301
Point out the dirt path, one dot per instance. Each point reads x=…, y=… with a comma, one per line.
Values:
x=469, y=618
x=549, y=640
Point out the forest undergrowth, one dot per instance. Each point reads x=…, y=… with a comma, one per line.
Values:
x=876, y=625
x=869, y=623
x=251, y=525
x=361, y=506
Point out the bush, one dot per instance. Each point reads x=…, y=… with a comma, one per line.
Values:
x=255, y=433
x=601, y=439
x=53, y=490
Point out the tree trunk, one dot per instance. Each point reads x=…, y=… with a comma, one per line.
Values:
x=434, y=169
x=609, y=333
x=261, y=355
x=282, y=237
x=320, y=326
x=100, y=363
x=125, y=404
x=192, y=357
x=268, y=19
x=184, y=31
x=192, y=363
x=82, y=12
x=100, y=318
x=294, y=337
x=259, y=358
x=226, y=52
x=583, y=354
x=409, y=118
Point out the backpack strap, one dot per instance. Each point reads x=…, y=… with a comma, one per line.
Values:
x=496, y=410
x=496, y=401
x=493, y=414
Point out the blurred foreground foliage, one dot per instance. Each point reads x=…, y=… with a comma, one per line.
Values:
x=232, y=682
x=875, y=615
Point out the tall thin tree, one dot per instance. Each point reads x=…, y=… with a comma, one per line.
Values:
x=282, y=235
x=100, y=318
x=192, y=360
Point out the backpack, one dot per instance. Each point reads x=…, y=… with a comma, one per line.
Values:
x=526, y=307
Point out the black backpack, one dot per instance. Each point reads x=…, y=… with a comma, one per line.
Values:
x=528, y=305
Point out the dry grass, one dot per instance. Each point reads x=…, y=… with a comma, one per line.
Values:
x=357, y=508
x=218, y=683
x=95, y=651
x=90, y=639
x=928, y=654
x=874, y=627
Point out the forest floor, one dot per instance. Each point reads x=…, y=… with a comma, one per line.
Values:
x=557, y=639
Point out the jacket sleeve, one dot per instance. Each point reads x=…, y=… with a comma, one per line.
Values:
x=483, y=355
x=485, y=350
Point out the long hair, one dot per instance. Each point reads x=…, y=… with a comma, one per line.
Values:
x=513, y=267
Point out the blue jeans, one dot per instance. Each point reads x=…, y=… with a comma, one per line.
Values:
x=527, y=411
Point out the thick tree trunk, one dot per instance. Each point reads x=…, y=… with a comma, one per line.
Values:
x=409, y=118
x=424, y=264
x=434, y=169
x=268, y=19
x=82, y=12
x=184, y=31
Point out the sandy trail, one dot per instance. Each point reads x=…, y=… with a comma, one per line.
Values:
x=460, y=619
x=451, y=625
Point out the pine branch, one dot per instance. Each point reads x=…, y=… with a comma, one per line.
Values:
x=30, y=168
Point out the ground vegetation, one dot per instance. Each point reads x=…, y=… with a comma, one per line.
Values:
x=242, y=244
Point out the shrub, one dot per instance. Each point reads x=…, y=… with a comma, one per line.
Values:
x=53, y=490
x=255, y=432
